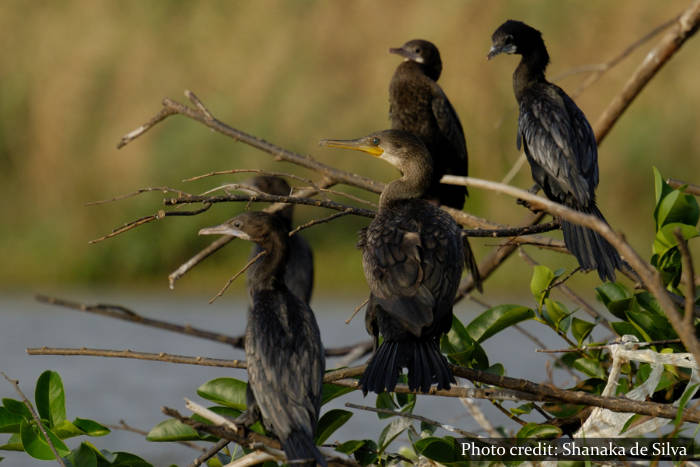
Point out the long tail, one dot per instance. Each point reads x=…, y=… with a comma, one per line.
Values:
x=299, y=446
x=426, y=365
x=590, y=249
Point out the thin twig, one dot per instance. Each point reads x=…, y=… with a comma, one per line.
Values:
x=512, y=232
x=607, y=346
x=235, y=276
x=35, y=416
x=157, y=357
x=159, y=189
x=209, y=453
x=647, y=273
x=420, y=418
x=689, y=313
x=323, y=220
x=684, y=27
x=689, y=187
x=357, y=310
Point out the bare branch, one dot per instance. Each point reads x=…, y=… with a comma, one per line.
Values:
x=35, y=416
x=125, y=314
x=684, y=28
x=235, y=276
x=157, y=357
x=648, y=274
x=210, y=249
x=689, y=187
x=157, y=118
x=513, y=231
x=150, y=189
x=209, y=453
x=357, y=310
x=689, y=313
x=313, y=222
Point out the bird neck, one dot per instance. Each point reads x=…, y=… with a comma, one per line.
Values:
x=432, y=71
x=413, y=184
x=530, y=70
x=269, y=272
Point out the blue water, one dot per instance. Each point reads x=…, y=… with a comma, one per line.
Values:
x=108, y=390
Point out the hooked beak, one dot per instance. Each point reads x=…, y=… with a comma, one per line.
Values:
x=224, y=229
x=405, y=53
x=360, y=144
x=500, y=49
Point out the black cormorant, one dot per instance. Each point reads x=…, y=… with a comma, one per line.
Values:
x=299, y=275
x=418, y=105
x=412, y=255
x=558, y=142
x=282, y=342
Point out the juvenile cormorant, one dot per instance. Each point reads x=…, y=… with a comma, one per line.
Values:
x=558, y=142
x=299, y=275
x=412, y=255
x=282, y=343
x=418, y=105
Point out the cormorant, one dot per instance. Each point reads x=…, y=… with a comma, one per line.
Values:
x=282, y=343
x=299, y=275
x=558, y=142
x=412, y=255
x=417, y=104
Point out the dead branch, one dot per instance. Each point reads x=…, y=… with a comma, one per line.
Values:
x=512, y=232
x=689, y=312
x=35, y=416
x=684, y=28
x=157, y=357
x=235, y=276
x=125, y=314
x=150, y=189
x=313, y=222
x=648, y=274
x=689, y=187
x=209, y=453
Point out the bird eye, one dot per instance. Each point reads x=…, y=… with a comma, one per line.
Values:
x=237, y=224
x=375, y=141
x=417, y=50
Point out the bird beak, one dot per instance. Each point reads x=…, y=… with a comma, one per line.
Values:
x=224, y=229
x=359, y=144
x=500, y=49
x=405, y=53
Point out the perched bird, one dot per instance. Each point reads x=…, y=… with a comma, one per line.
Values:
x=413, y=254
x=418, y=105
x=299, y=275
x=558, y=142
x=282, y=343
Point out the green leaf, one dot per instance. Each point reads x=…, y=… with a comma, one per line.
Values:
x=331, y=391
x=665, y=238
x=438, y=449
x=36, y=446
x=557, y=314
x=13, y=444
x=661, y=188
x=66, y=429
x=351, y=446
x=497, y=319
x=590, y=367
x=682, y=403
x=611, y=292
x=622, y=327
x=562, y=410
x=9, y=421
x=172, y=430
x=580, y=329
x=17, y=407
x=457, y=339
x=91, y=427
x=677, y=207
x=542, y=276
x=329, y=422
x=385, y=401
x=83, y=456
x=651, y=325
x=522, y=409
x=535, y=430
x=364, y=451
x=125, y=459
x=392, y=431
x=225, y=391
x=50, y=398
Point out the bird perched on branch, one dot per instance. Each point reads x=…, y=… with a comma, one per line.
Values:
x=413, y=254
x=418, y=105
x=558, y=142
x=282, y=343
x=299, y=274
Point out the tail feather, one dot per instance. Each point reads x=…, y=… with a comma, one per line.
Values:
x=425, y=364
x=590, y=249
x=300, y=447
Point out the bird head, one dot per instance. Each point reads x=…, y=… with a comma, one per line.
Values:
x=515, y=37
x=397, y=147
x=270, y=184
x=254, y=226
x=424, y=53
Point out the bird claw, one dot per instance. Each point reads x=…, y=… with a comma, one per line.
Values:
x=522, y=202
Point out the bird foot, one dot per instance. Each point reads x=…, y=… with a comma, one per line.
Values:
x=522, y=202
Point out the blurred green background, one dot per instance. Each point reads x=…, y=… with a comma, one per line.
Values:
x=77, y=75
